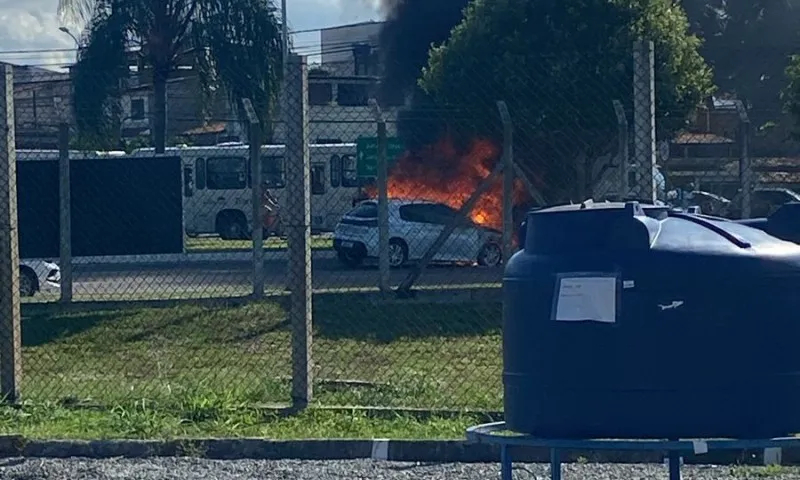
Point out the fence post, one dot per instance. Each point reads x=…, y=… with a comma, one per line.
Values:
x=298, y=189
x=10, y=333
x=533, y=191
x=65, y=207
x=644, y=116
x=383, y=199
x=622, y=140
x=508, y=180
x=254, y=142
x=745, y=166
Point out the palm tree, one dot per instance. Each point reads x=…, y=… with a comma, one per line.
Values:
x=236, y=45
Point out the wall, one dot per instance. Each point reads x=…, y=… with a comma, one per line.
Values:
x=41, y=102
x=337, y=42
x=329, y=120
x=184, y=107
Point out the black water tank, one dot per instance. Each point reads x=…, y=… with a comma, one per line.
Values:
x=623, y=321
x=784, y=222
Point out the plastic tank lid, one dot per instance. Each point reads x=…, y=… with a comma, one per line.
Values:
x=615, y=225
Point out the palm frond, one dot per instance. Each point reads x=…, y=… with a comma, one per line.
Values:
x=79, y=14
x=245, y=48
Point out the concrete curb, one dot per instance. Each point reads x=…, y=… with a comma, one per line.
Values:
x=379, y=449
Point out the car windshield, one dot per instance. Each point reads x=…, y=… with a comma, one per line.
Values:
x=364, y=210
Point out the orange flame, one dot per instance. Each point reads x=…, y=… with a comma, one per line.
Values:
x=440, y=173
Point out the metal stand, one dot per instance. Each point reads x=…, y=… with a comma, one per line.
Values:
x=496, y=434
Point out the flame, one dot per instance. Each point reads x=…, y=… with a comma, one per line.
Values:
x=441, y=173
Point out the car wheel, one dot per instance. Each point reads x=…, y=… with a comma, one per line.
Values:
x=398, y=253
x=491, y=255
x=350, y=258
x=27, y=282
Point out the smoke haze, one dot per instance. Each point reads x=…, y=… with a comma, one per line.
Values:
x=411, y=27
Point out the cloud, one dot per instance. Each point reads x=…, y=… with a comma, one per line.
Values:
x=31, y=35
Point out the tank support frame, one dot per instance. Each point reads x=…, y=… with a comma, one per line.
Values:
x=497, y=434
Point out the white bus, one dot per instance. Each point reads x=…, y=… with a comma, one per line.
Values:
x=217, y=185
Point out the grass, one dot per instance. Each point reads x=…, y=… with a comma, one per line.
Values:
x=207, y=244
x=204, y=292
x=203, y=371
x=212, y=417
x=213, y=365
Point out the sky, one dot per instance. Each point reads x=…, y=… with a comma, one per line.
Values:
x=31, y=35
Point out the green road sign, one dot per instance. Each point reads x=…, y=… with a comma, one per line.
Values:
x=367, y=154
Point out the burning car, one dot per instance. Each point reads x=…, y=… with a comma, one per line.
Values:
x=414, y=225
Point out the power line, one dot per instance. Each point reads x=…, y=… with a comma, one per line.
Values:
x=37, y=50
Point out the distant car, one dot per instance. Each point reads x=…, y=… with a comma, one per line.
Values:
x=38, y=275
x=709, y=203
x=413, y=228
x=764, y=201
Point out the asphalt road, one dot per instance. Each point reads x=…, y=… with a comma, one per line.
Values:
x=219, y=278
x=190, y=469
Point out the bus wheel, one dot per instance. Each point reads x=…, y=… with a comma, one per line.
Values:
x=232, y=226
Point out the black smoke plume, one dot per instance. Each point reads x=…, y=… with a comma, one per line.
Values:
x=411, y=27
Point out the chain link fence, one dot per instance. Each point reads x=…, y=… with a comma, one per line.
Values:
x=384, y=226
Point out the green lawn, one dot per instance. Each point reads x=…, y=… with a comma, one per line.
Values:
x=201, y=244
x=184, y=358
x=157, y=292
x=216, y=418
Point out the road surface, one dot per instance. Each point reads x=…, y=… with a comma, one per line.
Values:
x=233, y=277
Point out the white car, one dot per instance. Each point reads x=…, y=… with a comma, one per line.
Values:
x=38, y=275
x=413, y=228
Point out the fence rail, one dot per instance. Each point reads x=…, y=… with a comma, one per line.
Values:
x=368, y=245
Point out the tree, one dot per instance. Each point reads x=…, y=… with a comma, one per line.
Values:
x=748, y=43
x=559, y=65
x=236, y=44
x=791, y=93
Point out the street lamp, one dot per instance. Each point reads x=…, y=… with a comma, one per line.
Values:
x=68, y=32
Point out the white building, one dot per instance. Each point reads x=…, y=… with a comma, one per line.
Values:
x=350, y=49
x=339, y=110
x=342, y=85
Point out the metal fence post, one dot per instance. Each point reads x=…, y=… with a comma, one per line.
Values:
x=298, y=189
x=508, y=180
x=745, y=166
x=65, y=213
x=383, y=199
x=623, y=154
x=644, y=117
x=254, y=142
x=10, y=333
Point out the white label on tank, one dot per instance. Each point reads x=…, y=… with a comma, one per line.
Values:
x=628, y=284
x=700, y=447
x=587, y=298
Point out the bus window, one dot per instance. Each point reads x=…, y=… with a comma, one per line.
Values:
x=336, y=171
x=273, y=171
x=318, y=179
x=200, y=174
x=349, y=171
x=188, y=187
x=226, y=173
